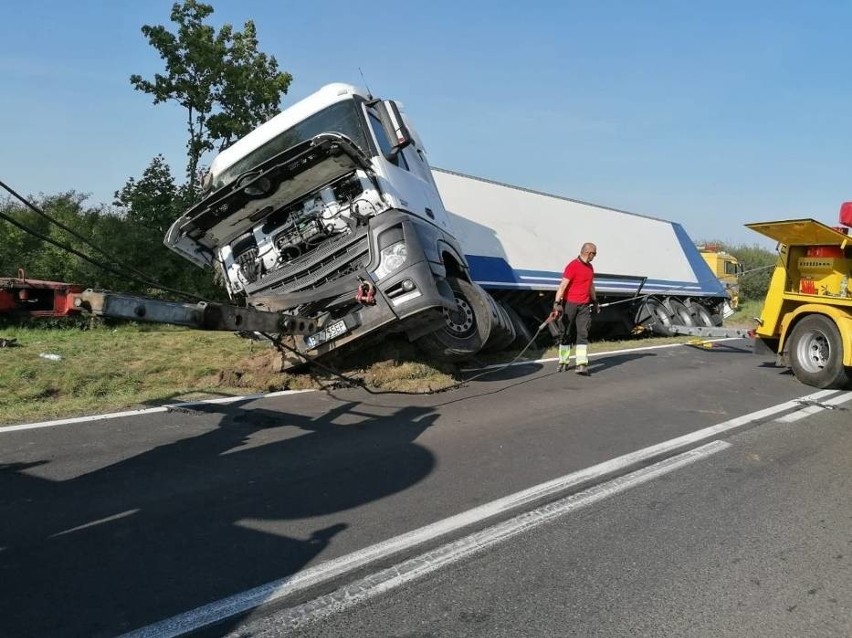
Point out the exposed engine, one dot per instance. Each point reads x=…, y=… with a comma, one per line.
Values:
x=292, y=232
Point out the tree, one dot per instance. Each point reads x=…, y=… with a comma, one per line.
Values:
x=148, y=207
x=225, y=84
x=758, y=265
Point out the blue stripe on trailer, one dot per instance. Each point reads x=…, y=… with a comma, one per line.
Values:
x=495, y=273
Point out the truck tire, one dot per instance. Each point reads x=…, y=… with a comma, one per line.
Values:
x=816, y=353
x=702, y=316
x=502, y=329
x=466, y=329
x=523, y=334
x=659, y=317
x=680, y=313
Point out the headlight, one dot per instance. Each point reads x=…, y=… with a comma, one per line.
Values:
x=390, y=259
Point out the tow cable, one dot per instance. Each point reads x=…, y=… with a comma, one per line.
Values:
x=276, y=341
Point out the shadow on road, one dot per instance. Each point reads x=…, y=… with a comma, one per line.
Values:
x=188, y=522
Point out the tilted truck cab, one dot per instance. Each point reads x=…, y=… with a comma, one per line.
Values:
x=329, y=211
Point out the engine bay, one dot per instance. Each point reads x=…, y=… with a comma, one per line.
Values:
x=294, y=231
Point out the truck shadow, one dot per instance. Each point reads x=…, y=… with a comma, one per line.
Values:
x=189, y=521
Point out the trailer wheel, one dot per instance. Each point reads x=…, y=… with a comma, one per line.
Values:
x=660, y=317
x=816, y=353
x=702, y=316
x=466, y=329
x=680, y=313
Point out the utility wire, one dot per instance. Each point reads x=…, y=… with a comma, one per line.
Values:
x=35, y=233
x=125, y=270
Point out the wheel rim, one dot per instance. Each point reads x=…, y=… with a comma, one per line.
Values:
x=814, y=351
x=460, y=322
x=662, y=316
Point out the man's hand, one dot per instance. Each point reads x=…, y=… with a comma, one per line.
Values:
x=556, y=312
x=596, y=307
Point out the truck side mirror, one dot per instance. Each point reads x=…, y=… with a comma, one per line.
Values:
x=394, y=126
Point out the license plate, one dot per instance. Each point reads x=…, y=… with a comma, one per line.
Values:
x=328, y=333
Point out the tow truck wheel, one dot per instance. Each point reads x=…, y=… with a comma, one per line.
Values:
x=816, y=353
x=466, y=329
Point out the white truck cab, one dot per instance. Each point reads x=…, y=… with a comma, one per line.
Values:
x=329, y=209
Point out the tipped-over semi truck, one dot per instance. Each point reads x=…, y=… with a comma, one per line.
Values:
x=330, y=211
x=330, y=229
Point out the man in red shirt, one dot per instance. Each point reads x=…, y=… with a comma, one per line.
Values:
x=577, y=292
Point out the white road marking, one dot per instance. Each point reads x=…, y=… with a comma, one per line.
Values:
x=425, y=564
x=108, y=519
x=828, y=404
x=595, y=355
x=161, y=408
x=239, y=603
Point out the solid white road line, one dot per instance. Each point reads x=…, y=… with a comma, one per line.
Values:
x=425, y=564
x=162, y=408
x=822, y=406
x=596, y=355
x=242, y=602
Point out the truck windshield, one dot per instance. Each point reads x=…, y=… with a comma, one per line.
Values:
x=343, y=117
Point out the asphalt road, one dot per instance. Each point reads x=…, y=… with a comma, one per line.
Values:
x=113, y=525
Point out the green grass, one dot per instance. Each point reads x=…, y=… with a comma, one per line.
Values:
x=745, y=314
x=108, y=369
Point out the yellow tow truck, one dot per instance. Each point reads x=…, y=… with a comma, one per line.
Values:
x=806, y=320
x=807, y=315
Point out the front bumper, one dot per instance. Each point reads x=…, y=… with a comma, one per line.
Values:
x=409, y=300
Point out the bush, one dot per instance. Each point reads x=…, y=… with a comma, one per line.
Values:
x=757, y=264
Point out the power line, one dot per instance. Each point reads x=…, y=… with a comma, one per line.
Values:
x=124, y=270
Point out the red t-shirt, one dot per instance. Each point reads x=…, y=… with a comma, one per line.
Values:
x=580, y=275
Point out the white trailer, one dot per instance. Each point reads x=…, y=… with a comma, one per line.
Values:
x=517, y=241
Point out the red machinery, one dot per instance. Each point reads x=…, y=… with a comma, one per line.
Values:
x=36, y=298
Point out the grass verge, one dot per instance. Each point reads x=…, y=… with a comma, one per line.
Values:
x=107, y=369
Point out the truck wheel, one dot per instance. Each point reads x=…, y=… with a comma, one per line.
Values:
x=702, y=316
x=523, y=335
x=816, y=353
x=466, y=329
x=680, y=313
x=659, y=317
x=502, y=329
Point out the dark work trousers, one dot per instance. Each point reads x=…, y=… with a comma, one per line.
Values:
x=574, y=324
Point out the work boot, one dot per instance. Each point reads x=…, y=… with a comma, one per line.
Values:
x=582, y=369
x=561, y=367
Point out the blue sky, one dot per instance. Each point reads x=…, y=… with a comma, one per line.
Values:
x=710, y=114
